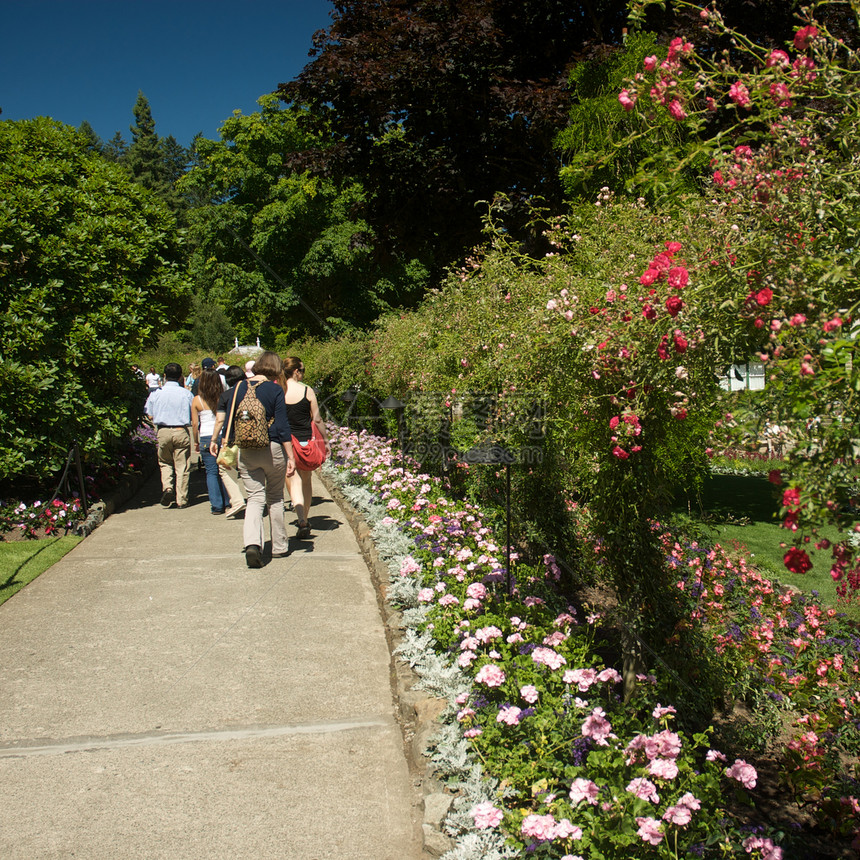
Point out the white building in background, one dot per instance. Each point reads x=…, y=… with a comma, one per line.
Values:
x=740, y=377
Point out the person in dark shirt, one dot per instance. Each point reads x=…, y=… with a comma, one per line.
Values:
x=263, y=470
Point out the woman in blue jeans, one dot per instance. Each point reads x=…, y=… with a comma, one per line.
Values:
x=203, y=409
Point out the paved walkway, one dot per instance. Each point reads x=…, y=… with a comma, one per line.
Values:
x=160, y=700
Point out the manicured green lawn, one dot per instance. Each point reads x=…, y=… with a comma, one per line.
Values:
x=743, y=511
x=22, y=561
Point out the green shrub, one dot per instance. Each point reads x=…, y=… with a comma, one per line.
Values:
x=89, y=270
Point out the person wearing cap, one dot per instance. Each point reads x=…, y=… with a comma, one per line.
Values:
x=169, y=408
x=209, y=364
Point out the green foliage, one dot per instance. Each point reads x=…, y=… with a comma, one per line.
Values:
x=602, y=144
x=156, y=163
x=211, y=330
x=281, y=252
x=88, y=273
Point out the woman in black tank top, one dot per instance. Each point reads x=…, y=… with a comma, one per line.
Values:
x=302, y=410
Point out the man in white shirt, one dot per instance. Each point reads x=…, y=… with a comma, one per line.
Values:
x=153, y=380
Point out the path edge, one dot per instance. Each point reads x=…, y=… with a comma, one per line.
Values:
x=416, y=712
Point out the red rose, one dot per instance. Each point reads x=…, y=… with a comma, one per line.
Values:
x=674, y=305
x=764, y=296
x=797, y=561
x=791, y=497
x=649, y=277
x=680, y=343
x=678, y=278
x=649, y=313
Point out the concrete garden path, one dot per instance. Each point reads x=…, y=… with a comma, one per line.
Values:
x=160, y=700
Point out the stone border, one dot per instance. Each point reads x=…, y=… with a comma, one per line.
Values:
x=127, y=487
x=415, y=710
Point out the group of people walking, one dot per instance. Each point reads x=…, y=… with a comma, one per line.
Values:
x=272, y=393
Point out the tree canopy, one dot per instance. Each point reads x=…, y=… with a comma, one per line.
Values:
x=89, y=270
x=436, y=106
x=280, y=250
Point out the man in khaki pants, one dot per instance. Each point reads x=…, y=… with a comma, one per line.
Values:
x=169, y=408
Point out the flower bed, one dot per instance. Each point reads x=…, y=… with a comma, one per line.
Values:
x=35, y=518
x=546, y=758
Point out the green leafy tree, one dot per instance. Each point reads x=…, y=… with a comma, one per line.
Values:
x=282, y=251
x=89, y=273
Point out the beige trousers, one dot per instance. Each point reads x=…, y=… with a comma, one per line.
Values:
x=230, y=485
x=263, y=471
x=174, y=460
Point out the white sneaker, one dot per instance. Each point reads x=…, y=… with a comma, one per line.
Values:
x=234, y=512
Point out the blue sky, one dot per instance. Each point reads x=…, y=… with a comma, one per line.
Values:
x=195, y=60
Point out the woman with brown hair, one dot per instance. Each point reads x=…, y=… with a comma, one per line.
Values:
x=303, y=412
x=263, y=470
x=203, y=409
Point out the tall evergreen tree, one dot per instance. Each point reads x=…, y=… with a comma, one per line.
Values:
x=156, y=163
x=94, y=142
x=116, y=148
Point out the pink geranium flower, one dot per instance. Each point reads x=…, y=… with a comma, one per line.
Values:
x=597, y=727
x=491, y=675
x=584, y=789
x=539, y=827
x=680, y=815
x=485, y=815
x=663, y=768
x=644, y=789
x=510, y=715
x=548, y=657
x=649, y=830
x=744, y=773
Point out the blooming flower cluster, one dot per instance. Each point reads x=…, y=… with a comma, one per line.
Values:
x=806, y=657
x=539, y=691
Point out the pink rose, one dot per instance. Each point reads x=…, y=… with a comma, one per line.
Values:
x=676, y=110
x=764, y=297
x=678, y=277
x=627, y=100
x=649, y=277
x=777, y=58
x=797, y=561
x=620, y=453
x=781, y=95
x=739, y=94
x=650, y=63
x=804, y=36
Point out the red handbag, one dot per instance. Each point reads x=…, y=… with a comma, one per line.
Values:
x=309, y=455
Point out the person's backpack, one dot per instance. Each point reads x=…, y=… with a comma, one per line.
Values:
x=250, y=426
